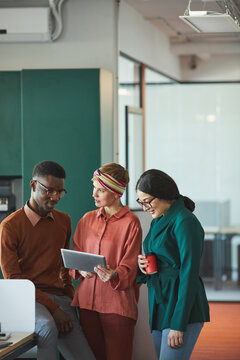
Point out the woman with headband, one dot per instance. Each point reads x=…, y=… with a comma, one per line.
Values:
x=107, y=300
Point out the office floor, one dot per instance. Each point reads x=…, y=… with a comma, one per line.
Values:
x=220, y=338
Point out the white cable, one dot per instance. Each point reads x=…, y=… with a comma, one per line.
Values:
x=55, y=15
x=187, y=11
x=56, y=11
x=60, y=23
x=60, y=7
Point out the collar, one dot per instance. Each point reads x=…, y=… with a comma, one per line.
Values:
x=124, y=210
x=33, y=217
x=169, y=216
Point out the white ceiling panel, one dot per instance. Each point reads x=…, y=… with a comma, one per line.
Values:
x=164, y=14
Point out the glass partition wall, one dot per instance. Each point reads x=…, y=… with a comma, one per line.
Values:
x=128, y=95
x=192, y=132
x=129, y=121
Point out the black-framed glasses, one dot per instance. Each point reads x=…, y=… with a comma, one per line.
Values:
x=52, y=192
x=146, y=204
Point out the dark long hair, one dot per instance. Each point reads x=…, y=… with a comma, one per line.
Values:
x=160, y=185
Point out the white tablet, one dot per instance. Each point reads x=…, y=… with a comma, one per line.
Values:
x=81, y=260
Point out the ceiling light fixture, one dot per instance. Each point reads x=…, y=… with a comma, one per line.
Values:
x=210, y=21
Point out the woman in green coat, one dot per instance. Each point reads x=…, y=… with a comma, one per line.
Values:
x=178, y=305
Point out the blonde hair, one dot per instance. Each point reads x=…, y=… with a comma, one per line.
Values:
x=115, y=170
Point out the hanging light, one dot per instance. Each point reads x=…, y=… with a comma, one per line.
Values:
x=210, y=21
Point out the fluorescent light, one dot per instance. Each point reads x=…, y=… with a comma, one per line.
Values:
x=210, y=22
x=211, y=117
x=124, y=92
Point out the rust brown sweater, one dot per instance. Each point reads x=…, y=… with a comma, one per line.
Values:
x=30, y=249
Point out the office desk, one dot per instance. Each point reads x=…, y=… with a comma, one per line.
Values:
x=22, y=341
x=222, y=251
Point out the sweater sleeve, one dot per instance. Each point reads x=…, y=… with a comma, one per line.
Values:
x=9, y=253
x=141, y=278
x=77, y=247
x=10, y=264
x=64, y=273
x=128, y=267
x=189, y=235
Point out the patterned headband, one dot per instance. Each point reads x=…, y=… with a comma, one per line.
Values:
x=110, y=183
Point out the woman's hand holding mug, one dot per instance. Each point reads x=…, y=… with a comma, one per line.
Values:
x=147, y=264
x=142, y=263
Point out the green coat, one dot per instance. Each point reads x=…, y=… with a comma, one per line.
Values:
x=176, y=293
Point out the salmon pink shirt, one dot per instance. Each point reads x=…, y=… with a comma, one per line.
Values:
x=119, y=239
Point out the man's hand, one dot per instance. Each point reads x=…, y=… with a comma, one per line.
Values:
x=175, y=339
x=62, y=320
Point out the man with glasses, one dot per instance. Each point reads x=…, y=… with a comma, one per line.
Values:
x=30, y=243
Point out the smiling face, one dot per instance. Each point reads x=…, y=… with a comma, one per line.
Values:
x=41, y=201
x=156, y=207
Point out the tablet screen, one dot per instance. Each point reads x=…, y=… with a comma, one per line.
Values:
x=81, y=260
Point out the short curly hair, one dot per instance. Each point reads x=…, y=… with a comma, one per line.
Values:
x=45, y=168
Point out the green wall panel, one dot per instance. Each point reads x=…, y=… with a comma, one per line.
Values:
x=10, y=123
x=61, y=122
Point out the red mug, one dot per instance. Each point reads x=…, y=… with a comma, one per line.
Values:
x=151, y=265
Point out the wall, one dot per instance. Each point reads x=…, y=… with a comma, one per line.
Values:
x=144, y=42
x=61, y=121
x=89, y=40
x=10, y=118
x=56, y=114
x=214, y=68
x=199, y=139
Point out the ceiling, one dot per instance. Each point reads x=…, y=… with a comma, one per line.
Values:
x=19, y=3
x=164, y=14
